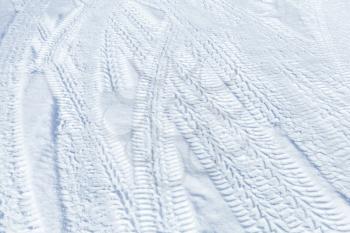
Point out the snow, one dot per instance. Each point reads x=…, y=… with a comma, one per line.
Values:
x=167, y=116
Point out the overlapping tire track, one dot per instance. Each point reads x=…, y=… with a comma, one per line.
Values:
x=103, y=179
x=78, y=139
x=64, y=31
x=240, y=166
x=216, y=64
x=337, y=222
x=17, y=208
x=177, y=215
x=325, y=92
x=325, y=40
x=220, y=99
x=265, y=102
x=244, y=128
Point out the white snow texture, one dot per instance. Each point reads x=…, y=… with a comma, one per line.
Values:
x=175, y=116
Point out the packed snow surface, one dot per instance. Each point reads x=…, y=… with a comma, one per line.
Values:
x=174, y=116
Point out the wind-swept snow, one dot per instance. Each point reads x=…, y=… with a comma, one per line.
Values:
x=174, y=116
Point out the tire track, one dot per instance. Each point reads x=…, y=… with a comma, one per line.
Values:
x=59, y=36
x=211, y=54
x=282, y=116
x=322, y=91
x=110, y=184
x=183, y=217
x=110, y=63
x=216, y=99
x=106, y=181
x=325, y=40
x=255, y=134
x=275, y=114
x=182, y=212
x=18, y=212
x=280, y=167
x=145, y=153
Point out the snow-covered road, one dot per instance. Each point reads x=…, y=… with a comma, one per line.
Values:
x=169, y=116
